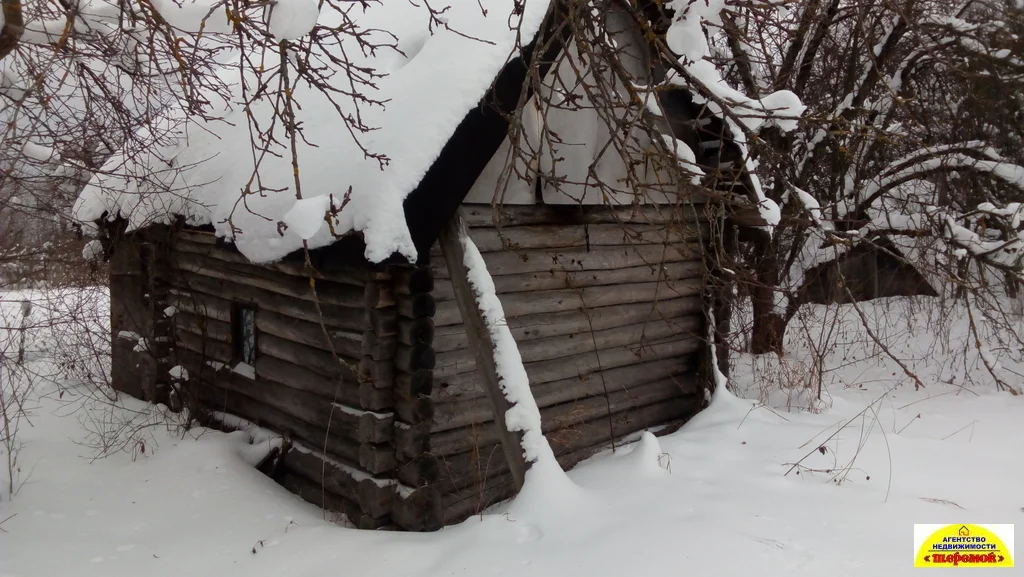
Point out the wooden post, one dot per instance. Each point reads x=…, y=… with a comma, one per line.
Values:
x=480, y=342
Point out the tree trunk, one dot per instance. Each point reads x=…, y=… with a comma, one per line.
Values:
x=769, y=325
x=769, y=322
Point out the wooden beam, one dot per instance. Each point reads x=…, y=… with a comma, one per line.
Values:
x=451, y=239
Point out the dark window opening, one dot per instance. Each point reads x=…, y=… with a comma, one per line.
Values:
x=243, y=334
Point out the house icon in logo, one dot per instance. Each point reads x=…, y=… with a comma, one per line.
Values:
x=964, y=531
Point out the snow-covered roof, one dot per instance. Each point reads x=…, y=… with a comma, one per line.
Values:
x=200, y=168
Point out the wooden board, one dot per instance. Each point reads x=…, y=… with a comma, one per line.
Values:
x=536, y=326
x=556, y=301
x=560, y=278
x=595, y=259
x=462, y=361
x=555, y=417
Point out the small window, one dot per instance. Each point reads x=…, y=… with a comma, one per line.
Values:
x=243, y=329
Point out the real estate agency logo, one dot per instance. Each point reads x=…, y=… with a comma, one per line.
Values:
x=963, y=546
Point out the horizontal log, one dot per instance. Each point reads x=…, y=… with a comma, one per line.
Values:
x=378, y=348
x=411, y=440
x=414, y=410
x=422, y=470
x=468, y=491
x=556, y=301
x=556, y=417
x=595, y=259
x=458, y=411
x=314, y=359
x=215, y=397
x=377, y=459
x=299, y=378
x=410, y=359
x=380, y=373
x=413, y=385
x=210, y=349
x=457, y=415
x=578, y=366
x=354, y=274
x=416, y=306
x=480, y=215
x=374, y=496
x=353, y=394
x=561, y=278
x=258, y=277
x=530, y=327
x=202, y=325
x=378, y=295
x=462, y=361
x=547, y=237
x=383, y=322
x=416, y=331
x=316, y=410
x=311, y=493
x=419, y=511
x=216, y=296
x=412, y=280
x=199, y=304
x=345, y=344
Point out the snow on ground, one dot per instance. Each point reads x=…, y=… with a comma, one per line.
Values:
x=710, y=499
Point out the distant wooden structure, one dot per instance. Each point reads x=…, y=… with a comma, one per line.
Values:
x=369, y=370
x=867, y=271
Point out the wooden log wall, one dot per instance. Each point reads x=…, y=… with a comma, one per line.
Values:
x=324, y=372
x=607, y=308
x=138, y=294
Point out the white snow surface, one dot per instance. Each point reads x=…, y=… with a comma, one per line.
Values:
x=292, y=19
x=710, y=499
x=201, y=168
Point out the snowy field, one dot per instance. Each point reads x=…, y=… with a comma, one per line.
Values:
x=875, y=457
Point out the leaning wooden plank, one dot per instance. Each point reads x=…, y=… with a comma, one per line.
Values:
x=556, y=301
x=472, y=408
x=462, y=361
x=480, y=215
x=595, y=259
x=481, y=435
x=452, y=239
x=529, y=327
x=558, y=278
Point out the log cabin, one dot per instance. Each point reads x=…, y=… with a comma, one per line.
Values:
x=367, y=369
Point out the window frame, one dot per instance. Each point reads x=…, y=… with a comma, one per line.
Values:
x=239, y=314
